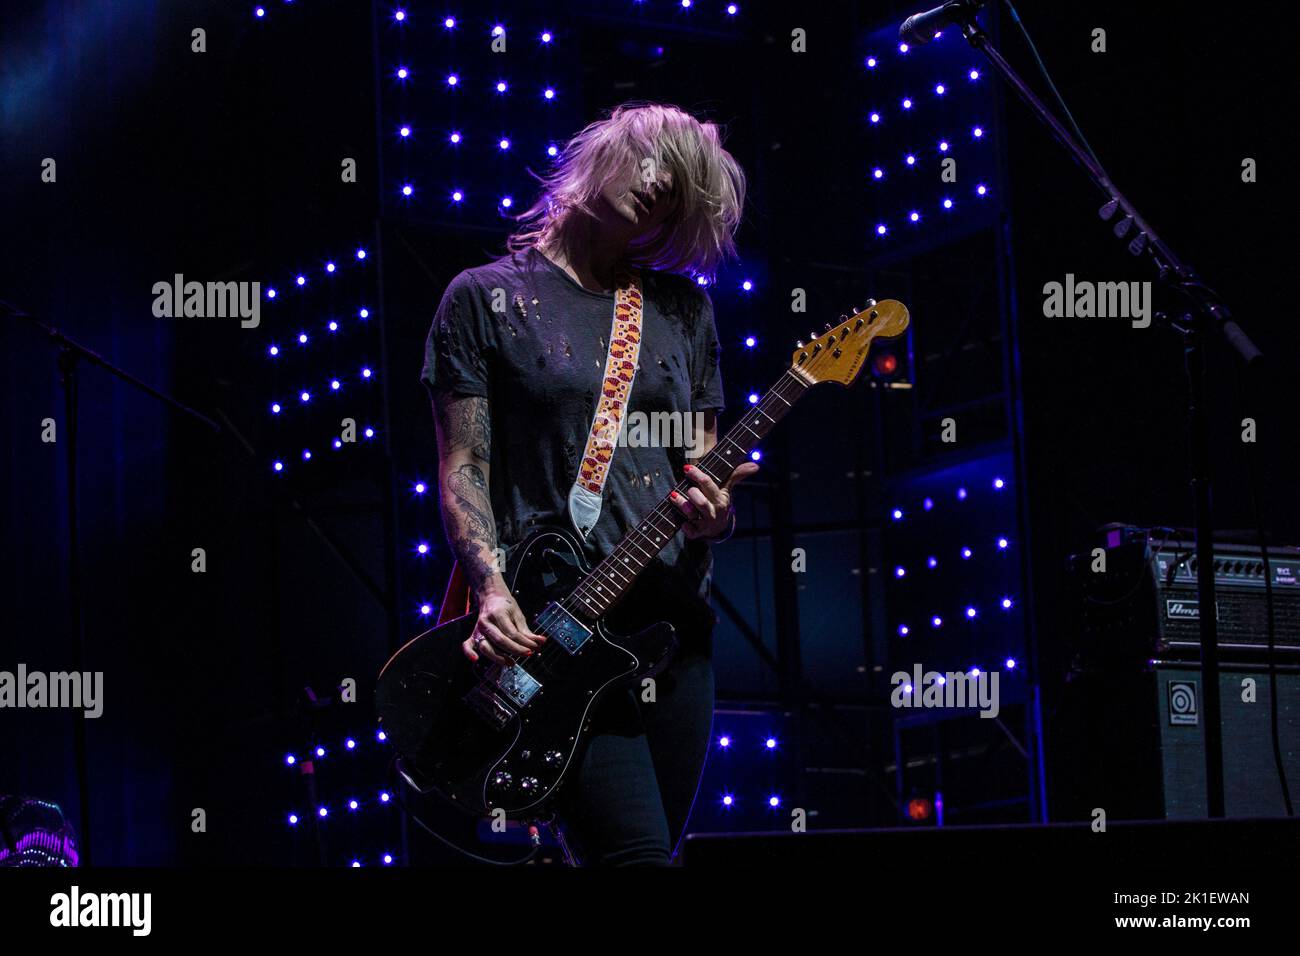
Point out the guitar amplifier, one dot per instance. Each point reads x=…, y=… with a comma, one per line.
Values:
x=1144, y=604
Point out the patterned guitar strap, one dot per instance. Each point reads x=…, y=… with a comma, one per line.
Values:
x=616, y=385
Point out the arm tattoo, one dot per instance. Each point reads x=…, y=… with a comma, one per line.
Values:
x=467, y=513
x=465, y=499
x=466, y=424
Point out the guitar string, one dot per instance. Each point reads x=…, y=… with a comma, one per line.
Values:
x=664, y=511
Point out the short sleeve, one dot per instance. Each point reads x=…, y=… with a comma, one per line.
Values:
x=706, y=372
x=457, y=350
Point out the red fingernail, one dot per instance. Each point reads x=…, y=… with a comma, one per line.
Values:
x=687, y=467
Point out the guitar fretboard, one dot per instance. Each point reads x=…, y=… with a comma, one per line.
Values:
x=610, y=579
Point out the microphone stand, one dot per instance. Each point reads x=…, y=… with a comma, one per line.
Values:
x=70, y=354
x=1205, y=317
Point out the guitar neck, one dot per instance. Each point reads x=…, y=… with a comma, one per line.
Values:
x=602, y=588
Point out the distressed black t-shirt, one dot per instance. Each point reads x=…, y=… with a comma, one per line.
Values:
x=523, y=334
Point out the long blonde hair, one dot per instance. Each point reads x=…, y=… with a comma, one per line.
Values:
x=699, y=233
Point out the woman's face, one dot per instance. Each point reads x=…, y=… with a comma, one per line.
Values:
x=641, y=202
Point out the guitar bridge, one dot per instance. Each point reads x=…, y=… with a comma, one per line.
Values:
x=487, y=705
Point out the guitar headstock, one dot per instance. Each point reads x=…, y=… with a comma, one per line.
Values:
x=838, y=354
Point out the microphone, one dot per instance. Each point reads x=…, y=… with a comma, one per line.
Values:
x=921, y=27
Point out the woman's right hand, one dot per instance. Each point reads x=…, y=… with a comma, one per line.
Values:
x=501, y=632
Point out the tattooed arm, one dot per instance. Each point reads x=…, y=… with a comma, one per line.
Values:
x=464, y=449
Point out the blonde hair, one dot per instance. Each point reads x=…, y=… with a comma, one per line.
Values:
x=698, y=234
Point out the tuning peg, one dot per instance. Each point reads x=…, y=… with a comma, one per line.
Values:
x=798, y=343
x=826, y=327
x=871, y=304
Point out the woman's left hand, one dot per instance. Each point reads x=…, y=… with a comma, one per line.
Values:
x=707, y=507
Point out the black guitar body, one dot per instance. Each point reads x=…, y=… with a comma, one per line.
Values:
x=487, y=737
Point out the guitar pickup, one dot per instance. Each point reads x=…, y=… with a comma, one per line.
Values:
x=516, y=684
x=563, y=628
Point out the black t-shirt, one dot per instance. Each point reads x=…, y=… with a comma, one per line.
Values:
x=523, y=334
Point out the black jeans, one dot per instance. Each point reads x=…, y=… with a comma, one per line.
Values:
x=628, y=801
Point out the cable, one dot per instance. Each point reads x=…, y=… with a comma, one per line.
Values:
x=397, y=789
x=1042, y=68
x=1256, y=497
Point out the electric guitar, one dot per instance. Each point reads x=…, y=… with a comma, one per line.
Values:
x=489, y=736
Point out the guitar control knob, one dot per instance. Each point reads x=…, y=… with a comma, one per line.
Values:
x=553, y=758
x=525, y=755
x=502, y=779
x=528, y=783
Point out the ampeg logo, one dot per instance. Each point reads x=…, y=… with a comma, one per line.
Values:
x=1186, y=610
x=1182, y=703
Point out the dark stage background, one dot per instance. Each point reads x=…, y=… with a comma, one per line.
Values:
x=224, y=165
